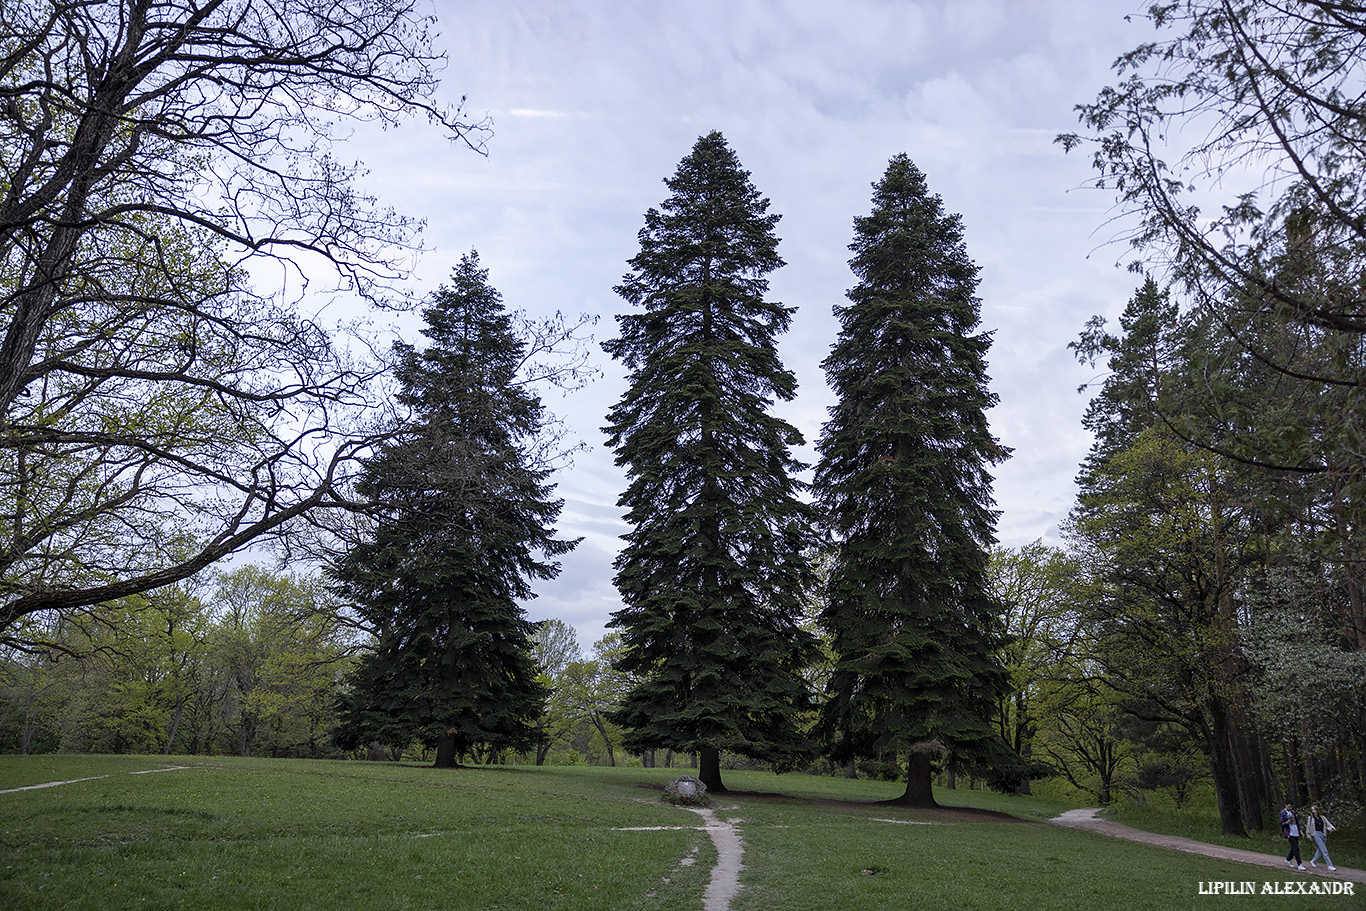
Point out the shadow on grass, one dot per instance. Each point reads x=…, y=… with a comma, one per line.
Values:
x=937, y=814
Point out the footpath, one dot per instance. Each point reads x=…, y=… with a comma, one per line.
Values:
x=1089, y=820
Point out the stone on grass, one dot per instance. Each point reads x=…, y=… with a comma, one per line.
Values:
x=686, y=791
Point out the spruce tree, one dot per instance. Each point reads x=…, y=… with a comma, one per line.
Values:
x=463, y=525
x=904, y=485
x=712, y=573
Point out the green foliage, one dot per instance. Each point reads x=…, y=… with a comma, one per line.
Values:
x=1165, y=531
x=583, y=695
x=1310, y=681
x=279, y=647
x=903, y=481
x=1036, y=587
x=462, y=525
x=249, y=666
x=1272, y=271
x=712, y=574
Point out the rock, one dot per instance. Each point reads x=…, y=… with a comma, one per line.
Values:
x=686, y=791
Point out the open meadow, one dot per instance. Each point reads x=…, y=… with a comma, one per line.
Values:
x=227, y=833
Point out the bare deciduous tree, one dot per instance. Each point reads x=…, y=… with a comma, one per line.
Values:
x=157, y=412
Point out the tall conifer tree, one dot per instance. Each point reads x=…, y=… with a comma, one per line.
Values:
x=464, y=518
x=711, y=574
x=903, y=481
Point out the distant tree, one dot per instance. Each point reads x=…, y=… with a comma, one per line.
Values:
x=462, y=525
x=120, y=680
x=555, y=647
x=157, y=412
x=1035, y=586
x=712, y=574
x=1083, y=731
x=1164, y=542
x=1309, y=675
x=276, y=651
x=592, y=691
x=904, y=485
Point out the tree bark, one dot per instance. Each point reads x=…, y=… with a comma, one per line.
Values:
x=1222, y=768
x=445, y=752
x=709, y=770
x=919, y=783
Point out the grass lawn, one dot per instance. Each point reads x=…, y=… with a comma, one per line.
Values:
x=293, y=834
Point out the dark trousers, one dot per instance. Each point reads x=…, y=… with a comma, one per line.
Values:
x=1294, y=850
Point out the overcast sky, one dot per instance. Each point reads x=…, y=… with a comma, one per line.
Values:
x=593, y=103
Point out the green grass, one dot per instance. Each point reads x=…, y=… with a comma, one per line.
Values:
x=258, y=834
x=294, y=834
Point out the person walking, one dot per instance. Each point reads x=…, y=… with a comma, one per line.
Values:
x=1291, y=829
x=1319, y=827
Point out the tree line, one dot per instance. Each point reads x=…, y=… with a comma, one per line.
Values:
x=161, y=414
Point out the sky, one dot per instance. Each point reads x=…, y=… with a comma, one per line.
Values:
x=593, y=104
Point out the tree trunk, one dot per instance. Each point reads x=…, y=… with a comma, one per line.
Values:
x=709, y=770
x=445, y=751
x=1254, y=790
x=919, y=783
x=606, y=739
x=1225, y=787
x=175, y=725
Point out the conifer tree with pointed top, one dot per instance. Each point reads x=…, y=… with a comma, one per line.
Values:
x=463, y=524
x=712, y=574
x=903, y=481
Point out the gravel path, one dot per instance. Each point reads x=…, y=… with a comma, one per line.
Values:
x=1089, y=820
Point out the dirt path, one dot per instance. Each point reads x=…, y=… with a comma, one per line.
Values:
x=730, y=853
x=1089, y=820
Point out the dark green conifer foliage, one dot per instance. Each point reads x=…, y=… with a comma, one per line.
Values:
x=464, y=518
x=712, y=573
x=904, y=485
x=1128, y=400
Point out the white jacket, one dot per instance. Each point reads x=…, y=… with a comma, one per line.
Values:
x=1309, y=825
